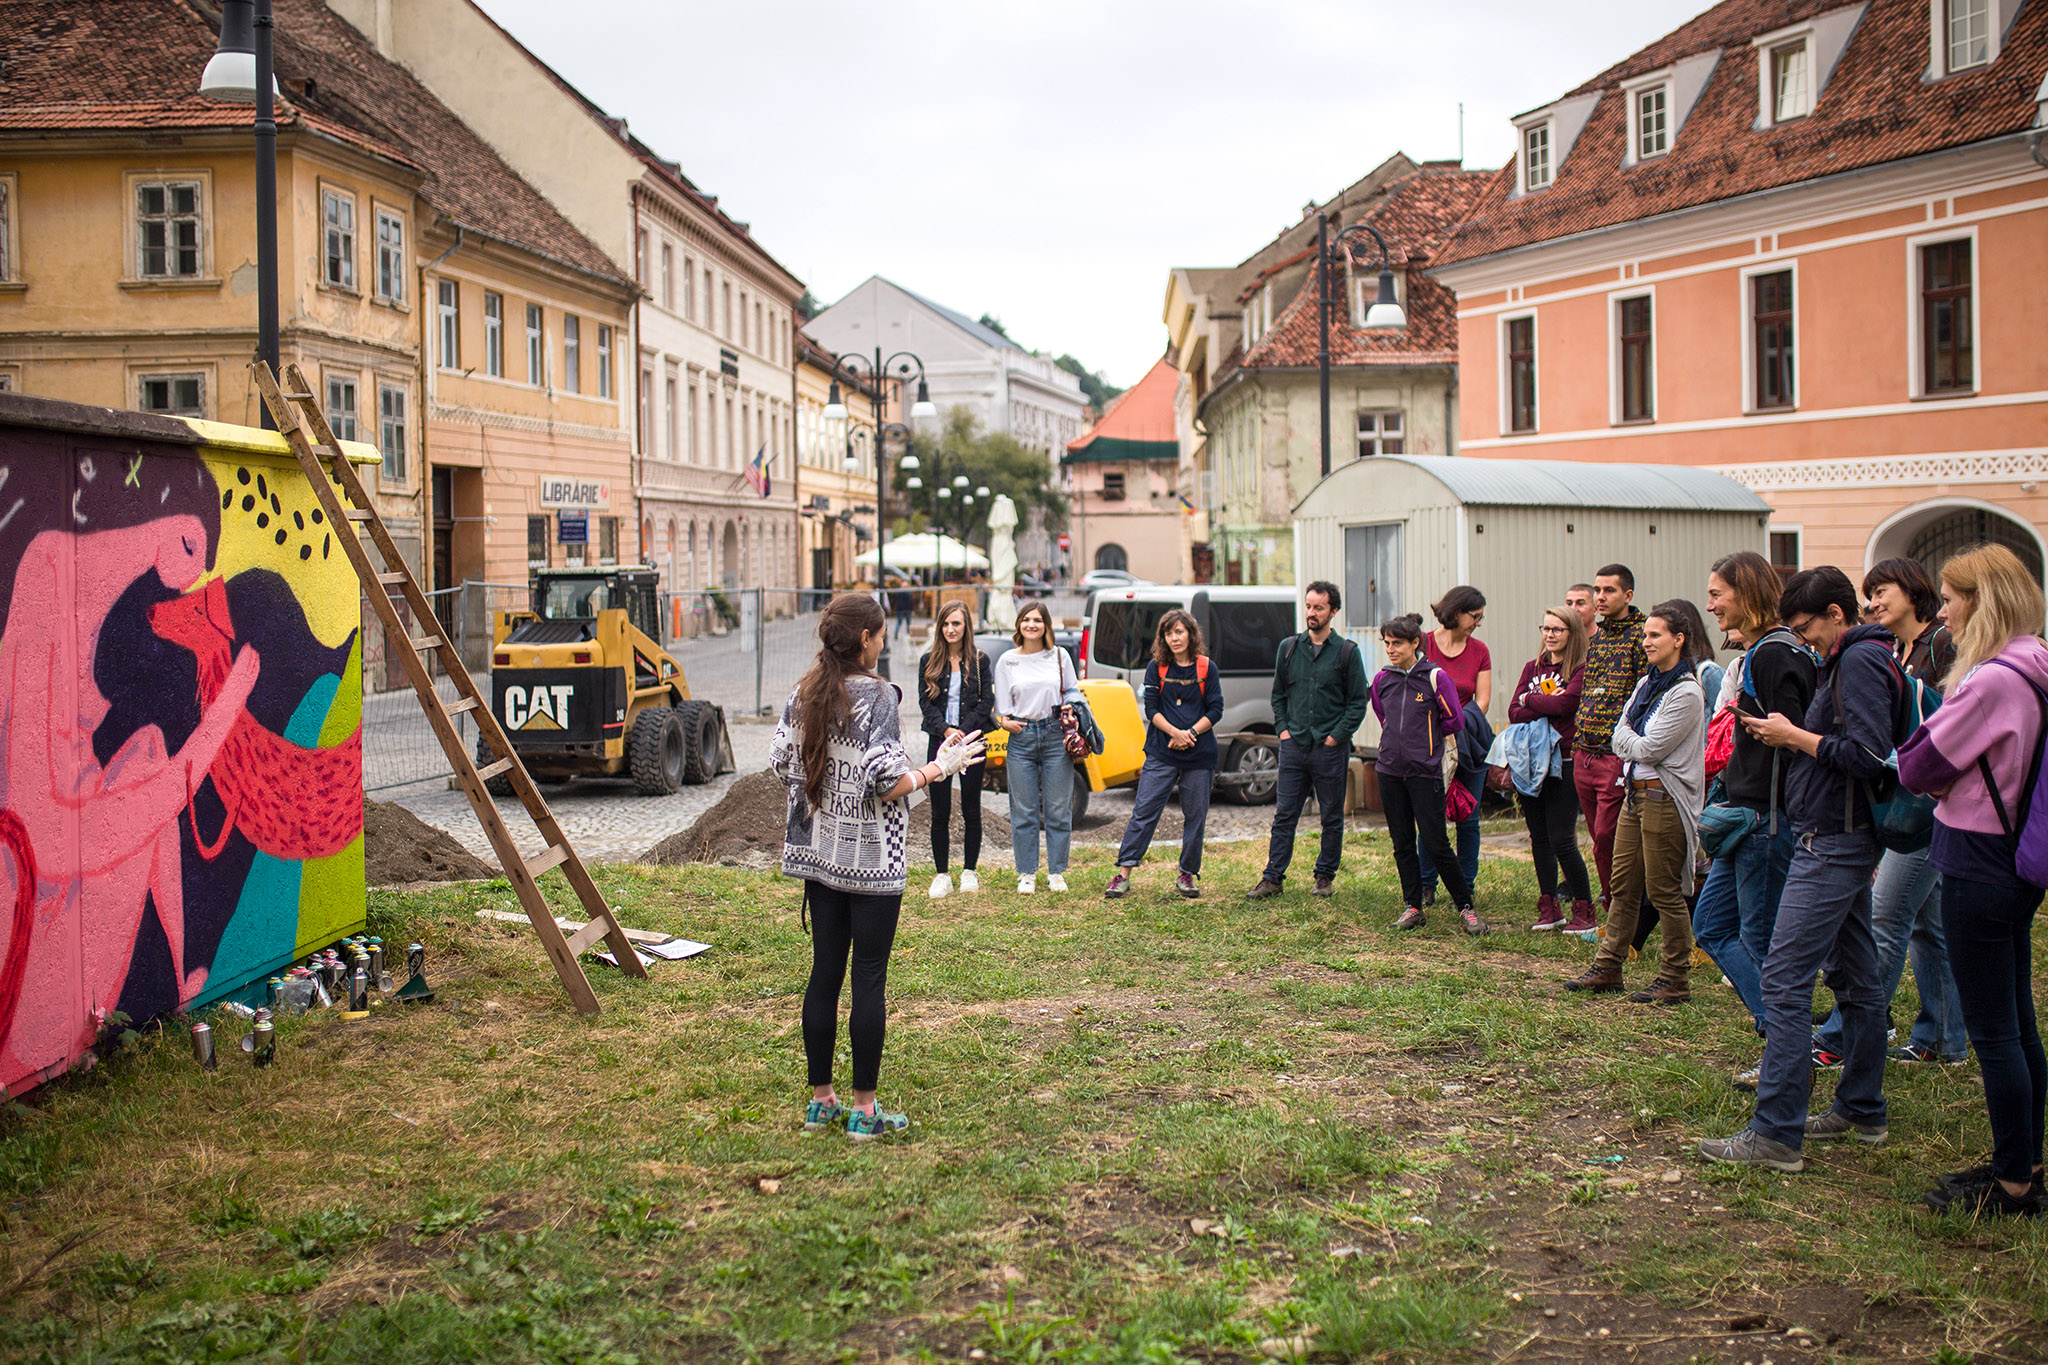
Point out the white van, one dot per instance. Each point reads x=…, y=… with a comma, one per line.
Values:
x=1242, y=628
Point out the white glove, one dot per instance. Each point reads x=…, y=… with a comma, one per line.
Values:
x=959, y=753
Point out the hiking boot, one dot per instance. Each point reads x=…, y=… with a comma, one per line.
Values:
x=1119, y=886
x=1835, y=1124
x=1469, y=917
x=1325, y=887
x=1186, y=884
x=1549, y=915
x=1751, y=1148
x=1265, y=890
x=1429, y=899
x=866, y=1127
x=1747, y=1080
x=1986, y=1200
x=1826, y=1059
x=1411, y=918
x=1661, y=992
x=822, y=1114
x=1596, y=980
x=1582, y=920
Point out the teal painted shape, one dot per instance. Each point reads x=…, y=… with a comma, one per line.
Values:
x=263, y=934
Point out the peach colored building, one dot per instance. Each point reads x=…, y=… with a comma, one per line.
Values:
x=1122, y=481
x=1804, y=243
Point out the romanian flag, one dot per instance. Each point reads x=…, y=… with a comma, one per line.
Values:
x=757, y=471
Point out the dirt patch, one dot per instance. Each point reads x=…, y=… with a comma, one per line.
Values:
x=400, y=849
x=387, y=1270
x=745, y=828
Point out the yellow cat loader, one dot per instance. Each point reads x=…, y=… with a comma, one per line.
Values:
x=584, y=687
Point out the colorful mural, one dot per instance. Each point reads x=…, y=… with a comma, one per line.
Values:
x=180, y=731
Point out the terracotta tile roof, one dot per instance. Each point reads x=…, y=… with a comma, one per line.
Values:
x=133, y=65
x=1141, y=413
x=1874, y=108
x=1415, y=215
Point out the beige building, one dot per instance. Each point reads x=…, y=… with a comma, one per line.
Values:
x=835, y=470
x=709, y=363
x=1124, y=508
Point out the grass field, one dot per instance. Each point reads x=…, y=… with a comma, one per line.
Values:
x=1143, y=1131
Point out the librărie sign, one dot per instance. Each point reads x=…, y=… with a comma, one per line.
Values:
x=559, y=492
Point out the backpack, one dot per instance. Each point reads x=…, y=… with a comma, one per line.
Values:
x=1720, y=747
x=2027, y=834
x=1287, y=650
x=1902, y=820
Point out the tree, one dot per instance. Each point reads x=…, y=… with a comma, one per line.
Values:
x=808, y=306
x=1098, y=391
x=995, y=324
x=1004, y=463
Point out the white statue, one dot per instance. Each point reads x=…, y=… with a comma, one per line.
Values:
x=1002, y=564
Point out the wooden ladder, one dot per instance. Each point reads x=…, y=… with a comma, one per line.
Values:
x=347, y=505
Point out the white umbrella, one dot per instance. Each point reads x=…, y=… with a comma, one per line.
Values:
x=927, y=551
x=1002, y=551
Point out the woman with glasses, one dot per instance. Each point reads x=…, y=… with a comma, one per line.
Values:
x=1548, y=694
x=1470, y=666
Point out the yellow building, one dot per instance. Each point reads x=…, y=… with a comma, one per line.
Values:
x=835, y=493
x=444, y=310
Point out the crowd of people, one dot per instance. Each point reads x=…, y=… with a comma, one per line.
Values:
x=1851, y=794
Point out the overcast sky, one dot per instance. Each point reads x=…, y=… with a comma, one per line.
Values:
x=1049, y=162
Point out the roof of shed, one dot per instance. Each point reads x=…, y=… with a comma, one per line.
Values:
x=1568, y=483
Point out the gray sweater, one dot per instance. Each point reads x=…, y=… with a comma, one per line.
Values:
x=854, y=841
x=1672, y=749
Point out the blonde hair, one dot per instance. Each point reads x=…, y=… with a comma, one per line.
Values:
x=2004, y=603
x=1573, y=656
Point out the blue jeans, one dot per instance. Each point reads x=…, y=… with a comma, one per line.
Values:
x=1155, y=781
x=1041, y=795
x=1905, y=914
x=1823, y=922
x=1737, y=910
x=1990, y=948
x=1468, y=842
x=1300, y=765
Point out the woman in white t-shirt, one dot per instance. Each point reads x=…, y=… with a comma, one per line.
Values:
x=1030, y=681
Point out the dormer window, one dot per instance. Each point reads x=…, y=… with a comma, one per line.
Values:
x=1794, y=63
x=1652, y=115
x=1791, y=81
x=1536, y=157
x=1969, y=33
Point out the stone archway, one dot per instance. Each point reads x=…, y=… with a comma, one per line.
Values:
x=1933, y=531
x=1112, y=556
x=729, y=556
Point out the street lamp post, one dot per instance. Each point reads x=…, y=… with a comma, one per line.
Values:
x=877, y=372
x=1384, y=313
x=240, y=73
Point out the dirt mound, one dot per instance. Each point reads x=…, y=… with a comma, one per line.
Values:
x=399, y=847
x=745, y=828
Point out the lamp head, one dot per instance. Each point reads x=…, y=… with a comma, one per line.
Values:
x=1385, y=312
x=907, y=463
x=945, y=492
x=835, y=406
x=982, y=491
x=913, y=482
x=230, y=74
x=924, y=407
x=961, y=481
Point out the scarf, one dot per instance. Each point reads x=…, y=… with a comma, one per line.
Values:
x=1653, y=692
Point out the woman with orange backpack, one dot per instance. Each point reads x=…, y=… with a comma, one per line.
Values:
x=1184, y=699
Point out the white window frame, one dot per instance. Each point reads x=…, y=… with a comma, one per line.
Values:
x=494, y=334
x=1507, y=417
x=388, y=285
x=10, y=241
x=397, y=456
x=536, y=345
x=1526, y=132
x=136, y=182
x=668, y=276
x=1746, y=307
x=1380, y=435
x=671, y=415
x=10, y=379
x=1941, y=53
x=1785, y=528
x=172, y=376
x=604, y=360
x=1365, y=290
x=572, y=353
x=689, y=288
x=1615, y=300
x=448, y=324
x=1799, y=51
x=1915, y=352
x=350, y=384
x=333, y=198
x=1637, y=153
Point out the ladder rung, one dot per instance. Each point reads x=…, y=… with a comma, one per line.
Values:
x=491, y=770
x=298, y=396
x=554, y=856
x=424, y=641
x=357, y=513
x=456, y=708
x=590, y=933
x=393, y=578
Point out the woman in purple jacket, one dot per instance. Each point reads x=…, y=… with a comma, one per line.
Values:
x=1976, y=754
x=1417, y=706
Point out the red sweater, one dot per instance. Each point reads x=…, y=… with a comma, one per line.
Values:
x=1545, y=694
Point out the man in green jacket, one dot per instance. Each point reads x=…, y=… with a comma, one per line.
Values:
x=1319, y=701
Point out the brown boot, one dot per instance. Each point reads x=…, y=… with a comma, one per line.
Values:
x=1548, y=915
x=1662, y=992
x=1596, y=980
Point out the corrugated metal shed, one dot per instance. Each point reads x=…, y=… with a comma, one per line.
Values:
x=1563, y=483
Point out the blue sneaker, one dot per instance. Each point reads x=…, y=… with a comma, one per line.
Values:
x=820, y=1115
x=865, y=1127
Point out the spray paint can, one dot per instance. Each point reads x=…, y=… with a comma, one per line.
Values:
x=264, y=1035
x=358, y=994
x=202, y=1045
x=274, y=993
x=377, y=977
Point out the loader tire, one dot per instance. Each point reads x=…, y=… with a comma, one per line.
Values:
x=699, y=720
x=654, y=753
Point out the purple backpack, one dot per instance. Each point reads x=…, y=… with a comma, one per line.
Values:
x=2028, y=833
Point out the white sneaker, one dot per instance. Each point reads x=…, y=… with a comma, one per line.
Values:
x=968, y=881
x=1026, y=885
x=1055, y=882
x=942, y=887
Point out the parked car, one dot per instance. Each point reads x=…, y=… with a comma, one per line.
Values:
x=1242, y=628
x=1030, y=586
x=1110, y=578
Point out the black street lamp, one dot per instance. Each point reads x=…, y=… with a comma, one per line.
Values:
x=1385, y=312
x=876, y=371
x=240, y=73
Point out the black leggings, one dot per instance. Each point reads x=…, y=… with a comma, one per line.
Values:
x=1552, y=815
x=1415, y=811
x=970, y=813
x=841, y=921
